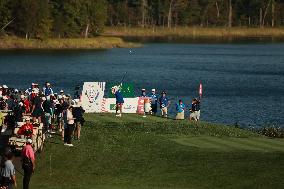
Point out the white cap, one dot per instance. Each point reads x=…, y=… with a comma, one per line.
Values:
x=16, y=90
x=43, y=98
x=59, y=96
x=61, y=91
x=143, y=89
x=30, y=141
x=21, y=104
x=47, y=84
x=153, y=90
x=5, y=86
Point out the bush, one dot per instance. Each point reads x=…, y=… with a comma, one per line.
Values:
x=273, y=132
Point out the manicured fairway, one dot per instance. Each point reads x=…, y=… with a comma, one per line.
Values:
x=136, y=152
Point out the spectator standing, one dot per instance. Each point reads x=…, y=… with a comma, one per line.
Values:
x=154, y=102
x=28, y=163
x=180, y=107
x=70, y=126
x=8, y=174
x=164, y=104
x=78, y=112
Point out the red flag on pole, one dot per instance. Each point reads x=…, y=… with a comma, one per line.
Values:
x=200, y=90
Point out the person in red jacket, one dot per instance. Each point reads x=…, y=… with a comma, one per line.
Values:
x=26, y=129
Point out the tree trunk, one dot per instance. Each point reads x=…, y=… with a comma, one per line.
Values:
x=230, y=14
x=273, y=13
x=265, y=13
x=143, y=9
x=87, y=30
x=217, y=9
x=260, y=17
x=170, y=14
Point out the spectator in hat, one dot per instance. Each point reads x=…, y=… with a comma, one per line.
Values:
x=78, y=112
x=143, y=93
x=26, y=103
x=37, y=111
x=8, y=173
x=154, y=102
x=164, y=104
x=180, y=107
x=28, y=163
x=26, y=129
x=47, y=90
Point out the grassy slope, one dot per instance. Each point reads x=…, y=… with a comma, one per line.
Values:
x=134, y=152
x=76, y=43
x=194, y=32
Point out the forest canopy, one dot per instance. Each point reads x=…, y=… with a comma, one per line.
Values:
x=83, y=18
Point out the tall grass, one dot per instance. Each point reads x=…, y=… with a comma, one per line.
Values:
x=71, y=43
x=194, y=32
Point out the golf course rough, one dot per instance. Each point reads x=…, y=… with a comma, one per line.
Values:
x=136, y=152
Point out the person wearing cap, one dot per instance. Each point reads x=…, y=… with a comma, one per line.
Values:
x=154, y=102
x=164, y=104
x=37, y=111
x=8, y=173
x=26, y=129
x=143, y=93
x=195, y=110
x=28, y=163
x=47, y=90
x=78, y=112
x=180, y=107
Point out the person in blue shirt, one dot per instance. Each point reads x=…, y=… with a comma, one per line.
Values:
x=164, y=104
x=180, y=107
x=119, y=99
x=154, y=102
x=47, y=89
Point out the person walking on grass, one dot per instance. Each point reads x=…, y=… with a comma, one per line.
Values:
x=69, y=127
x=180, y=107
x=37, y=110
x=78, y=112
x=28, y=163
x=164, y=104
x=8, y=174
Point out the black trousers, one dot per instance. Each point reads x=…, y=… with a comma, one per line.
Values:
x=28, y=171
x=69, y=132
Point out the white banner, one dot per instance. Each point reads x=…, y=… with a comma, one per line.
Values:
x=109, y=105
x=92, y=96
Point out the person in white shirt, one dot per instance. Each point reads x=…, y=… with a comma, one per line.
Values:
x=70, y=126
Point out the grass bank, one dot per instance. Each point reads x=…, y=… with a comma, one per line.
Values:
x=194, y=32
x=136, y=152
x=74, y=43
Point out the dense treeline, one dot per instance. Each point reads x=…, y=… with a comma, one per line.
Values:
x=74, y=18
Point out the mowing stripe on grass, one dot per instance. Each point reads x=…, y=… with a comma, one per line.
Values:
x=259, y=144
x=232, y=145
x=198, y=142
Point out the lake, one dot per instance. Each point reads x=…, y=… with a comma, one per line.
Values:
x=242, y=82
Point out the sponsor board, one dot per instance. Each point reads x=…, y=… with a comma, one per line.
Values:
x=92, y=96
x=109, y=105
